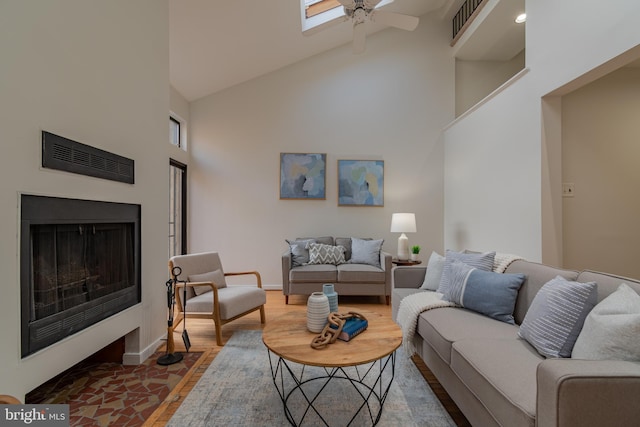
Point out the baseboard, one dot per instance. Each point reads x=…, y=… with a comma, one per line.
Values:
x=272, y=287
x=138, y=358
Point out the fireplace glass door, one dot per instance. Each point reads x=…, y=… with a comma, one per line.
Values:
x=77, y=263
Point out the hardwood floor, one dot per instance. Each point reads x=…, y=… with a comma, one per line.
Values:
x=202, y=337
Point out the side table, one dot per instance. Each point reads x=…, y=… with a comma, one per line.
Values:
x=397, y=261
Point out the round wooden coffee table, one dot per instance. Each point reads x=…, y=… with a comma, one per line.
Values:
x=309, y=380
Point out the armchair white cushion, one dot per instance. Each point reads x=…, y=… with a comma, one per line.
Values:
x=220, y=302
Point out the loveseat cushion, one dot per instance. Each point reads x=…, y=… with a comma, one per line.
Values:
x=503, y=373
x=313, y=273
x=441, y=327
x=345, y=242
x=360, y=273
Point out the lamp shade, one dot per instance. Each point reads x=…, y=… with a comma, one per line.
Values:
x=403, y=223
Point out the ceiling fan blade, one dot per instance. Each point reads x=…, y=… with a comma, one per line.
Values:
x=349, y=4
x=370, y=4
x=359, y=38
x=397, y=20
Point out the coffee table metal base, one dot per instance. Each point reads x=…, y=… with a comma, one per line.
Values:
x=317, y=395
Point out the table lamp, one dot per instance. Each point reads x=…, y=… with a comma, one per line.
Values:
x=403, y=223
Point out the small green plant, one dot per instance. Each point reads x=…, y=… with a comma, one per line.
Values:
x=415, y=249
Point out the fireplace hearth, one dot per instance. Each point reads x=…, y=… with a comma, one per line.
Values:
x=79, y=264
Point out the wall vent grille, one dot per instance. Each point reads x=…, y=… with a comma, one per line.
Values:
x=70, y=156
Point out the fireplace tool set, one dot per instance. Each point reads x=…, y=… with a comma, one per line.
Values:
x=170, y=357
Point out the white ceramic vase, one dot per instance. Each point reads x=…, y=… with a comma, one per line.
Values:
x=317, y=312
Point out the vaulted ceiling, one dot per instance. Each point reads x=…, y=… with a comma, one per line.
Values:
x=215, y=44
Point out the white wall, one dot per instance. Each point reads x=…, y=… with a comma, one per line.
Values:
x=600, y=153
x=97, y=73
x=389, y=103
x=493, y=156
x=477, y=79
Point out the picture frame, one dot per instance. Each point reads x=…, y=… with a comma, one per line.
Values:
x=303, y=176
x=361, y=183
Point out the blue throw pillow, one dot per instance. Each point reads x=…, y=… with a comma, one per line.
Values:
x=486, y=292
x=366, y=251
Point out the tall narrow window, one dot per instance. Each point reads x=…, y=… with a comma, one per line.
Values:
x=174, y=132
x=177, y=208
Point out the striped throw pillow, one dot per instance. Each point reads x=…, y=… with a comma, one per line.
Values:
x=482, y=261
x=556, y=316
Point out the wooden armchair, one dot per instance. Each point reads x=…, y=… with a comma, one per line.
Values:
x=209, y=297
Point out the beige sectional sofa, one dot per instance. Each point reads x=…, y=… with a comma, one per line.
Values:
x=498, y=379
x=349, y=278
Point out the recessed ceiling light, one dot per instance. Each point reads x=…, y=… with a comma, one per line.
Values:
x=521, y=18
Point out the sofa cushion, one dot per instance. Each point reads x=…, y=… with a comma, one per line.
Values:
x=366, y=251
x=442, y=327
x=325, y=254
x=434, y=272
x=482, y=261
x=607, y=283
x=325, y=240
x=360, y=273
x=503, y=373
x=345, y=242
x=325, y=273
x=486, y=292
x=612, y=330
x=556, y=316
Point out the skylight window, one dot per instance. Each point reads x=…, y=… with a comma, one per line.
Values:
x=316, y=7
x=319, y=14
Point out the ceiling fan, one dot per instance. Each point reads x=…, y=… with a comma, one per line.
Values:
x=360, y=11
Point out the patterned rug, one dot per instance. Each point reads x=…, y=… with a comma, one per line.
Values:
x=108, y=394
x=237, y=390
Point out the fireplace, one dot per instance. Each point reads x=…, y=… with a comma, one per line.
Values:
x=79, y=264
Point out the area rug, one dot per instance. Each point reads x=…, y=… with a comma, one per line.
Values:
x=112, y=394
x=237, y=389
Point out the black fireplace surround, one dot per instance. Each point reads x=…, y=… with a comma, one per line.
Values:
x=79, y=264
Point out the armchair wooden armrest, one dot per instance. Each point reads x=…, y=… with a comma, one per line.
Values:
x=244, y=273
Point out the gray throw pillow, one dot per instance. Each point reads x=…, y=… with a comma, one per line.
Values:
x=612, y=330
x=485, y=292
x=483, y=261
x=299, y=251
x=434, y=272
x=216, y=277
x=366, y=251
x=325, y=254
x=556, y=315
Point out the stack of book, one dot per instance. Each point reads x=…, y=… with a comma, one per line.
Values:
x=351, y=328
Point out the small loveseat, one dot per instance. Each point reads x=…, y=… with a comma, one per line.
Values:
x=497, y=378
x=363, y=269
